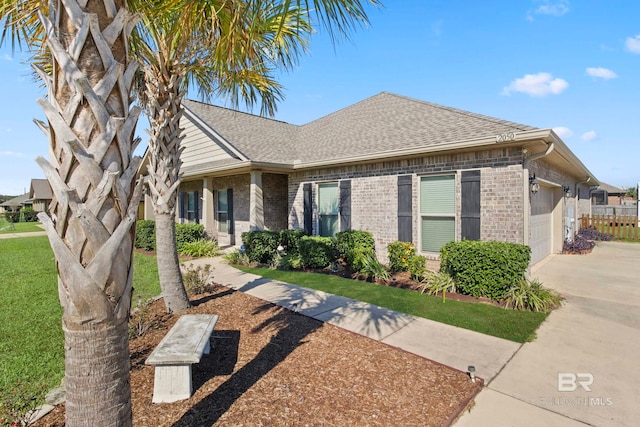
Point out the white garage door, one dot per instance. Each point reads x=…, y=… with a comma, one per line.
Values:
x=541, y=224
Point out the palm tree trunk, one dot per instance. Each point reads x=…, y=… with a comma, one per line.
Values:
x=173, y=291
x=92, y=174
x=164, y=96
x=88, y=376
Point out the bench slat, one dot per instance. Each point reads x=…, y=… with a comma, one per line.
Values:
x=185, y=342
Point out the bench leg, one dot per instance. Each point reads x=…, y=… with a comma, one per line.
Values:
x=172, y=383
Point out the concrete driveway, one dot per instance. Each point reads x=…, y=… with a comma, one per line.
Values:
x=584, y=366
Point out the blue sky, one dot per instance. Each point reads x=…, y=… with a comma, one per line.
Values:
x=569, y=65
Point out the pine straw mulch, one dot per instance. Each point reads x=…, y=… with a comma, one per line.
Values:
x=272, y=367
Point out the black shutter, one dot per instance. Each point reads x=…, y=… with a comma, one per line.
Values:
x=405, y=208
x=197, y=206
x=345, y=205
x=181, y=197
x=470, y=212
x=308, y=209
x=230, y=227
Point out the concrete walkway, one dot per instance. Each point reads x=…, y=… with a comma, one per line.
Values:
x=592, y=343
x=449, y=345
x=16, y=235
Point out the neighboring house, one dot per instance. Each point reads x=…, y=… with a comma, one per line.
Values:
x=606, y=194
x=15, y=204
x=400, y=168
x=40, y=195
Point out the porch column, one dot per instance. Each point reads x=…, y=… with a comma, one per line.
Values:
x=207, y=206
x=256, y=208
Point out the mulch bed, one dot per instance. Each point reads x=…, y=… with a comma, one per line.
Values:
x=272, y=367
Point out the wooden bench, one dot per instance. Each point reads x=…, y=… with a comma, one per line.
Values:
x=183, y=346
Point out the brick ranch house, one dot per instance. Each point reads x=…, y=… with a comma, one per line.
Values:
x=398, y=167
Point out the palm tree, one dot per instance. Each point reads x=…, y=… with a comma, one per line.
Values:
x=224, y=48
x=92, y=173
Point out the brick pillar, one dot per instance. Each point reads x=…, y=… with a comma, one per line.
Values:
x=256, y=202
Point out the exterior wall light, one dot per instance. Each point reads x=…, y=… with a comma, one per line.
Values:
x=472, y=373
x=567, y=190
x=533, y=184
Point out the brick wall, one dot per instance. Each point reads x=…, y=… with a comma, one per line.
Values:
x=240, y=185
x=374, y=193
x=275, y=201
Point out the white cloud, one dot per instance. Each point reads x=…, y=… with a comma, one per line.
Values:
x=548, y=7
x=7, y=57
x=540, y=84
x=10, y=154
x=589, y=136
x=563, y=132
x=633, y=44
x=603, y=73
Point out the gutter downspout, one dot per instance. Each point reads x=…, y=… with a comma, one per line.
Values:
x=525, y=162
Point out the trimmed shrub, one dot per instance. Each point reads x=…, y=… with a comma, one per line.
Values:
x=417, y=267
x=261, y=246
x=360, y=257
x=13, y=216
x=485, y=269
x=399, y=255
x=185, y=233
x=188, y=233
x=351, y=242
x=317, y=252
x=145, y=235
x=29, y=215
x=290, y=241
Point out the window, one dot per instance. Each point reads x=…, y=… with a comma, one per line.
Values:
x=437, y=211
x=222, y=212
x=192, y=206
x=328, y=209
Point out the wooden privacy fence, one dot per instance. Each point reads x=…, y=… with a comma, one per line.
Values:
x=620, y=226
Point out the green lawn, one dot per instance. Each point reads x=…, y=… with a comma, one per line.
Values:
x=31, y=338
x=20, y=227
x=518, y=326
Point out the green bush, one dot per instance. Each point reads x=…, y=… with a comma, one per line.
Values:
x=237, y=258
x=145, y=235
x=188, y=233
x=485, y=269
x=361, y=256
x=200, y=248
x=317, y=252
x=417, y=267
x=532, y=296
x=370, y=267
x=261, y=246
x=290, y=241
x=13, y=217
x=350, y=243
x=399, y=255
x=185, y=233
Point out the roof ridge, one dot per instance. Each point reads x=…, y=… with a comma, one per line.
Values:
x=207, y=105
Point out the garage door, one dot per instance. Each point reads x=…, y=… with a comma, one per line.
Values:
x=541, y=224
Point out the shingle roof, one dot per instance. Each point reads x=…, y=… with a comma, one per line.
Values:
x=40, y=190
x=610, y=188
x=258, y=138
x=378, y=124
x=16, y=201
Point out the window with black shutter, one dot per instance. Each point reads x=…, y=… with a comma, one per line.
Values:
x=345, y=205
x=470, y=209
x=405, y=208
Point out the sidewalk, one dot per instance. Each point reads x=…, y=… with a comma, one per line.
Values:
x=449, y=345
x=15, y=235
